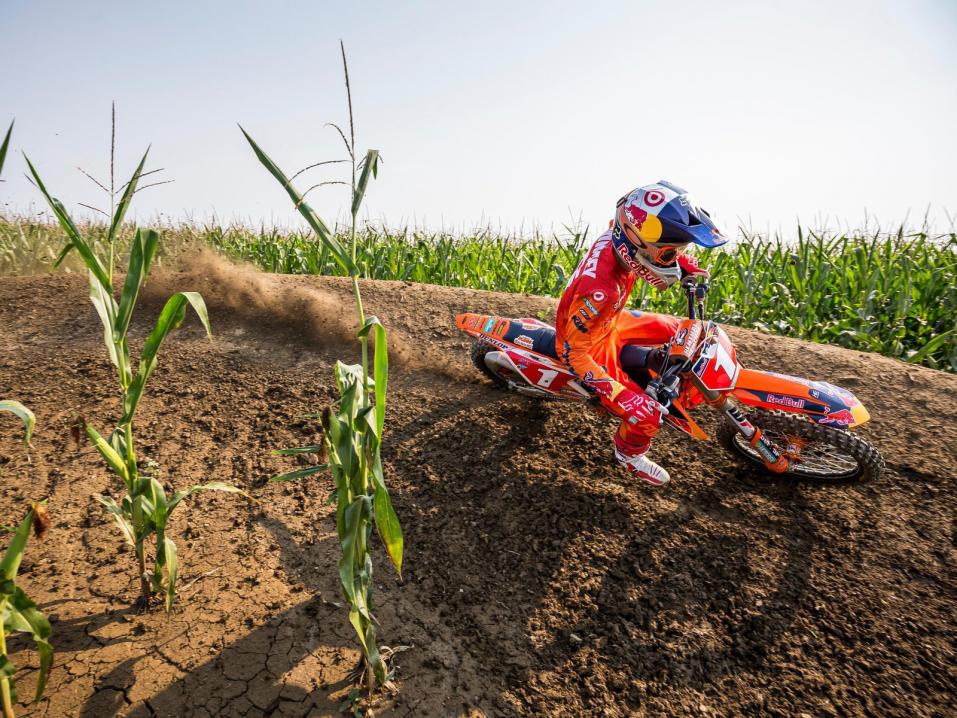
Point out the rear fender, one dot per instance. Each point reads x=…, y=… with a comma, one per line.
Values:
x=825, y=403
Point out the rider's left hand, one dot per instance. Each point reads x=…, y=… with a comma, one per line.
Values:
x=689, y=267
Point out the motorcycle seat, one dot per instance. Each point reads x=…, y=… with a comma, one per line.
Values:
x=542, y=336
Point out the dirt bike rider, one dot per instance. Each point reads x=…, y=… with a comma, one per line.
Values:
x=652, y=227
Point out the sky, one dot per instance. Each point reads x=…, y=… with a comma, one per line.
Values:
x=519, y=115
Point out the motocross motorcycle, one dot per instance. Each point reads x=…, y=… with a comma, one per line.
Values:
x=790, y=426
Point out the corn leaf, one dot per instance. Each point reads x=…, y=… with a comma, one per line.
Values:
x=931, y=347
x=370, y=166
x=24, y=616
x=158, y=507
x=211, y=486
x=75, y=240
x=106, y=309
x=314, y=449
x=299, y=473
x=353, y=525
x=126, y=528
x=118, y=440
x=113, y=459
x=380, y=369
x=169, y=319
x=365, y=424
x=22, y=413
x=5, y=145
x=318, y=226
x=127, y=197
x=14, y=553
x=141, y=257
x=356, y=619
x=141, y=511
x=387, y=523
x=166, y=557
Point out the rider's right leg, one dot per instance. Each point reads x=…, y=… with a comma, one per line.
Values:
x=632, y=441
x=631, y=451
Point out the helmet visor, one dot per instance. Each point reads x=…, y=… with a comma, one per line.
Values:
x=708, y=237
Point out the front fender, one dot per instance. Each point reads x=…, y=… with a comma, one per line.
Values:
x=824, y=402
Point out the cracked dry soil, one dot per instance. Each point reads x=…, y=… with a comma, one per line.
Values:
x=539, y=580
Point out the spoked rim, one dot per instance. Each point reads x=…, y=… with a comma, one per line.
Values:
x=814, y=460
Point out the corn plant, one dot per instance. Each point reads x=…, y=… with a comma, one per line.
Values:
x=17, y=612
x=145, y=509
x=353, y=430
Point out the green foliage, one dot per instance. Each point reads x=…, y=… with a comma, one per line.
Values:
x=32, y=246
x=482, y=260
x=17, y=612
x=144, y=511
x=353, y=430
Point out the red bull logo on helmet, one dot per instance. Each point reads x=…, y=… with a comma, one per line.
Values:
x=636, y=215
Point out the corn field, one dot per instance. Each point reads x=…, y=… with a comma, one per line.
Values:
x=893, y=293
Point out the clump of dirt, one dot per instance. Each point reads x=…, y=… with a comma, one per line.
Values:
x=539, y=580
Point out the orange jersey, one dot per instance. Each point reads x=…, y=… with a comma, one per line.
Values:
x=589, y=307
x=592, y=323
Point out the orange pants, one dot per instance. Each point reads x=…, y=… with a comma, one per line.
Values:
x=633, y=327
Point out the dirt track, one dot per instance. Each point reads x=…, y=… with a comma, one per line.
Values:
x=539, y=579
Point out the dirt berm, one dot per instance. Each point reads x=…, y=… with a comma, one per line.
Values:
x=539, y=580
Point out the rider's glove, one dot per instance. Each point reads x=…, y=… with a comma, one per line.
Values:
x=640, y=408
x=689, y=267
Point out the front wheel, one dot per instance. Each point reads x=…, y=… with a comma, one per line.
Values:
x=820, y=454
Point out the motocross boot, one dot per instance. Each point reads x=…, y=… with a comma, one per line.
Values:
x=633, y=457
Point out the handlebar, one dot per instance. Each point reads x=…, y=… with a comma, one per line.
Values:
x=696, y=291
x=663, y=388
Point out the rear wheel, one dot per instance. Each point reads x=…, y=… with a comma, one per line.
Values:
x=479, y=350
x=820, y=454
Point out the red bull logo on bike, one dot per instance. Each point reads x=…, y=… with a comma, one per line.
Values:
x=844, y=417
x=788, y=401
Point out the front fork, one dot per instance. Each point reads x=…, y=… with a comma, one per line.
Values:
x=772, y=459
